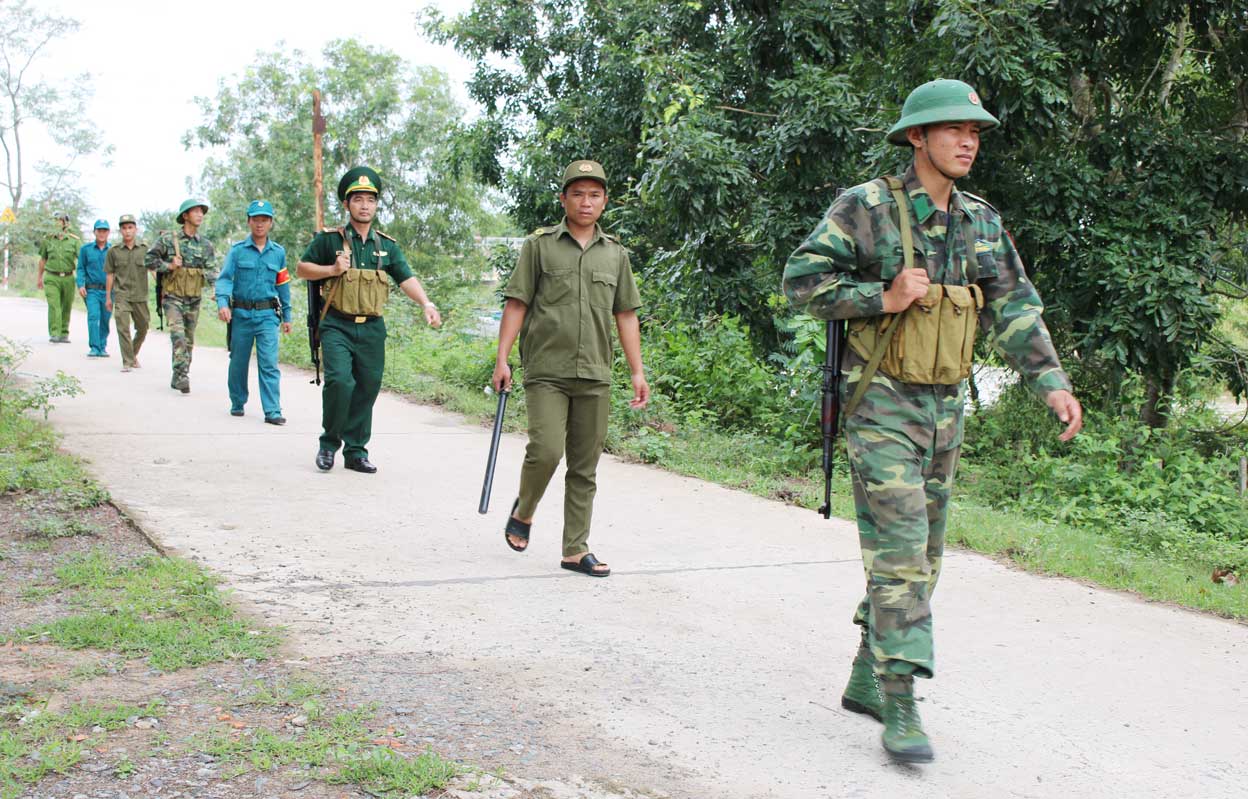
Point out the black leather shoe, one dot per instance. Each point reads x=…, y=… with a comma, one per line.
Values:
x=236, y=413
x=359, y=465
x=324, y=460
x=277, y=420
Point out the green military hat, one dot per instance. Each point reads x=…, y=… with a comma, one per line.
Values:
x=360, y=178
x=940, y=100
x=578, y=170
x=188, y=205
x=127, y=218
x=61, y=215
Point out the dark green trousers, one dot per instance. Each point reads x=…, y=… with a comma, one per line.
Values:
x=353, y=356
x=59, y=290
x=565, y=414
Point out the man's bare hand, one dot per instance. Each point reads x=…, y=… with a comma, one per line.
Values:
x=908, y=286
x=176, y=263
x=286, y=327
x=224, y=314
x=1068, y=409
x=342, y=263
x=432, y=316
x=82, y=292
x=641, y=392
x=502, y=376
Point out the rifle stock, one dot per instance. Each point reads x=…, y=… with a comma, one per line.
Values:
x=318, y=187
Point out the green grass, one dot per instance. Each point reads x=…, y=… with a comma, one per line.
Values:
x=35, y=742
x=165, y=609
x=52, y=526
x=339, y=750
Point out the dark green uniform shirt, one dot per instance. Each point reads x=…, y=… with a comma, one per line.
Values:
x=128, y=271
x=572, y=295
x=60, y=251
x=379, y=252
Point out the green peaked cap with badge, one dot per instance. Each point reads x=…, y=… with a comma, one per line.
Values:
x=360, y=178
x=579, y=170
x=940, y=100
x=188, y=205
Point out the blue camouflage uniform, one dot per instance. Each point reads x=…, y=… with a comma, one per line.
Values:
x=254, y=282
x=91, y=276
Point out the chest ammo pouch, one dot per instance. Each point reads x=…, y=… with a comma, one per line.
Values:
x=930, y=343
x=185, y=281
x=357, y=292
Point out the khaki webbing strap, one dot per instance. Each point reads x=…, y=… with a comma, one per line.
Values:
x=907, y=246
x=333, y=290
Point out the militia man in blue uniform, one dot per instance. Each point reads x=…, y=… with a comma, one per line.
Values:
x=253, y=297
x=352, y=261
x=92, y=284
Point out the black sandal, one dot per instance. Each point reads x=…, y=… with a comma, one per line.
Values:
x=517, y=528
x=586, y=566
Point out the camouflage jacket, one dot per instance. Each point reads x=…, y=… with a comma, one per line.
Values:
x=197, y=251
x=845, y=264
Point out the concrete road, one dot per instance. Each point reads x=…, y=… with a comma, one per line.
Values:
x=710, y=664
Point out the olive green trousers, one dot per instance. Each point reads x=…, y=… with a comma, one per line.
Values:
x=566, y=415
x=354, y=357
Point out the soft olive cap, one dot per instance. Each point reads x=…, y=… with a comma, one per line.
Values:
x=188, y=205
x=940, y=100
x=580, y=170
x=360, y=178
x=127, y=218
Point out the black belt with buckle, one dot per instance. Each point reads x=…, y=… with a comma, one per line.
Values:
x=351, y=317
x=58, y=274
x=248, y=305
x=98, y=286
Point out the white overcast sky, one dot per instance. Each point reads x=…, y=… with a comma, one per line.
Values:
x=145, y=55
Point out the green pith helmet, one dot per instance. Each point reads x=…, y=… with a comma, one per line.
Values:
x=188, y=205
x=940, y=101
x=584, y=169
x=360, y=178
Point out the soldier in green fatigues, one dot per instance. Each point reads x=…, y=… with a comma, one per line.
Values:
x=351, y=261
x=58, y=257
x=900, y=258
x=127, y=291
x=187, y=262
x=569, y=281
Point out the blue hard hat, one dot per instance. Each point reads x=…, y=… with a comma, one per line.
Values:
x=100, y=224
x=260, y=208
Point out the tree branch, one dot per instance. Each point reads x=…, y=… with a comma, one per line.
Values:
x=1176, y=60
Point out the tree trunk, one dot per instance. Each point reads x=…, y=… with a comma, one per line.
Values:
x=1156, y=409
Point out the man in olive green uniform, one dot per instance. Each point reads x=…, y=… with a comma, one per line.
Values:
x=185, y=262
x=569, y=281
x=127, y=291
x=58, y=257
x=352, y=261
x=913, y=263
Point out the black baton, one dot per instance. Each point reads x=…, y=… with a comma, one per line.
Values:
x=484, y=507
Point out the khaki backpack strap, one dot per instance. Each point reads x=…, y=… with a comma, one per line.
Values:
x=333, y=290
x=907, y=247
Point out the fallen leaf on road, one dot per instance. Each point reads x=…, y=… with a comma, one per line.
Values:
x=393, y=743
x=79, y=737
x=224, y=717
x=238, y=725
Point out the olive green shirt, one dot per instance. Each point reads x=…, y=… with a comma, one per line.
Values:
x=60, y=251
x=128, y=271
x=379, y=252
x=572, y=296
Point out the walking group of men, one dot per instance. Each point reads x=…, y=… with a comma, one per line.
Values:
x=913, y=264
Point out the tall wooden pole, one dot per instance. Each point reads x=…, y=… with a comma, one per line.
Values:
x=318, y=176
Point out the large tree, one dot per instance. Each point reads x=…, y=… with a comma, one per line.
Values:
x=380, y=111
x=28, y=99
x=728, y=124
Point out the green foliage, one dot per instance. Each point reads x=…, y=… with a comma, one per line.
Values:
x=379, y=111
x=1168, y=493
x=727, y=125
x=18, y=397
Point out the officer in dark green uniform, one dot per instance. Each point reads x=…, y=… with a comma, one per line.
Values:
x=353, y=333
x=58, y=258
x=569, y=281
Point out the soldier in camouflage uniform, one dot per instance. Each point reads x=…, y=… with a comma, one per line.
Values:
x=184, y=278
x=903, y=438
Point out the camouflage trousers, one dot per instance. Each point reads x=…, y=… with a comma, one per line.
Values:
x=903, y=442
x=181, y=314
